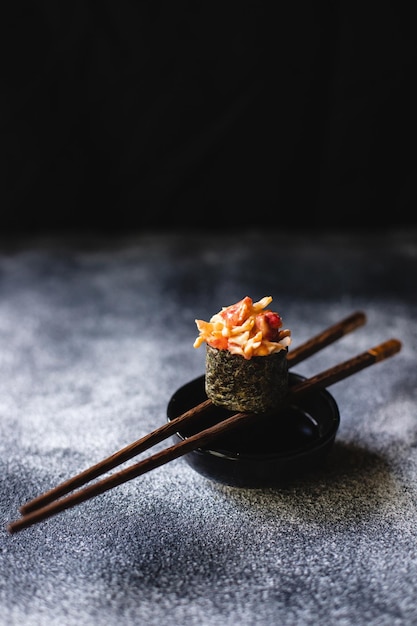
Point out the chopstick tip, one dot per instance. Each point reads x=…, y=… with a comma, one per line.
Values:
x=386, y=349
x=11, y=528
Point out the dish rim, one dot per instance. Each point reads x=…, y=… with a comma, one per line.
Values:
x=314, y=447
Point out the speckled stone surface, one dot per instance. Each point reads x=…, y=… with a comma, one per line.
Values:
x=95, y=337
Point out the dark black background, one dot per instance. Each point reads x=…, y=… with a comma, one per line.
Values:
x=129, y=115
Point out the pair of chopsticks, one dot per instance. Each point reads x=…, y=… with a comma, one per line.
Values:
x=53, y=501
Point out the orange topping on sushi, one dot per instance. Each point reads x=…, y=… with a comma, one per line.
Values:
x=247, y=328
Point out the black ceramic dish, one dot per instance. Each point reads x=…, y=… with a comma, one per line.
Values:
x=269, y=452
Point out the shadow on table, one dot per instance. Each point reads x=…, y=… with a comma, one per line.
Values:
x=350, y=485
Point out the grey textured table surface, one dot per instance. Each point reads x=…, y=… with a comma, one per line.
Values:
x=95, y=337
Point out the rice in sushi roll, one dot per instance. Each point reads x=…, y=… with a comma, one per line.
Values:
x=246, y=356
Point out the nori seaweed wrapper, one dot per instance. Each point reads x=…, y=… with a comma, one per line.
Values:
x=255, y=385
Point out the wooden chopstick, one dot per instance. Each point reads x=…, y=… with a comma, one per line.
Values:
x=306, y=349
x=322, y=380
x=326, y=337
x=316, y=343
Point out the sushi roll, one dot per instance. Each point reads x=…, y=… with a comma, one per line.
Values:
x=246, y=356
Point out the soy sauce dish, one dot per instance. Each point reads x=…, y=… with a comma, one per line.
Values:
x=268, y=452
